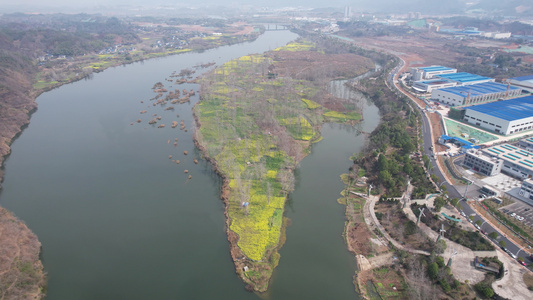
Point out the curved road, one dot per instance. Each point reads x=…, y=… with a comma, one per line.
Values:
x=454, y=191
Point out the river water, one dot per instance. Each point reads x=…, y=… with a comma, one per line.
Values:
x=118, y=219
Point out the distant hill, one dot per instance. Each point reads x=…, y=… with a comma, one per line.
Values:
x=508, y=7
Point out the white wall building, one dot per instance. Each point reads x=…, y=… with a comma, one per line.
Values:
x=504, y=117
x=481, y=163
x=497, y=35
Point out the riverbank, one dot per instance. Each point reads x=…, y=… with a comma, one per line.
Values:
x=257, y=119
x=21, y=272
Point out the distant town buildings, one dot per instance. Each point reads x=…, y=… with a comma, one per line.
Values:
x=347, y=12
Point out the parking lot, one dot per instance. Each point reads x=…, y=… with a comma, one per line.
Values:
x=520, y=210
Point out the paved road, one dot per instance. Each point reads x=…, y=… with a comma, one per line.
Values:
x=456, y=191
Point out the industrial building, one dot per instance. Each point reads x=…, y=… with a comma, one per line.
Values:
x=463, y=78
x=428, y=86
x=526, y=144
x=482, y=163
x=422, y=73
x=526, y=190
x=496, y=35
x=475, y=93
x=504, y=117
x=516, y=162
x=523, y=82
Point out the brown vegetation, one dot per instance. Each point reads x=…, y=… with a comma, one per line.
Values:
x=21, y=272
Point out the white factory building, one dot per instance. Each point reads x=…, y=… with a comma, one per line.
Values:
x=504, y=117
x=475, y=93
x=422, y=73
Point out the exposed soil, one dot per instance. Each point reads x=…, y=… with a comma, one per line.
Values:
x=357, y=233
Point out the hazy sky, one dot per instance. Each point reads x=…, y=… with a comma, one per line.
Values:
x=86, y=3
x=390, y=6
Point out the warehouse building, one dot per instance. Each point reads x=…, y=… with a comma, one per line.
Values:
x=504, y=117
x=475, y=93
x=422, y=73
x=464, y=78
x=517, y=162
x=523, y=82
x=428, y=86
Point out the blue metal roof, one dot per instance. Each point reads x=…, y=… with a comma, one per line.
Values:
x=463, y=77
x=435, y=81
x=463, y=142
x=435, y=68
x=479, y=89
x=510, y=110
x=523, y=78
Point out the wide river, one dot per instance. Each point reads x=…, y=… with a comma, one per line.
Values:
x=118, y=219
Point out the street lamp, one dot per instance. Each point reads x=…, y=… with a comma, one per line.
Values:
x=466, y=190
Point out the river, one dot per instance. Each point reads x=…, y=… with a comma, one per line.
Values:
x=118, y=219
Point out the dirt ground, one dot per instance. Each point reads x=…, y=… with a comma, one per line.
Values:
x=358, y=237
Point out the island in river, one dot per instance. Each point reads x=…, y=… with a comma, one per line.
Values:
x=257, y=118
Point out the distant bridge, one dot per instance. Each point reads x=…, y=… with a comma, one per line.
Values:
x=275, y=27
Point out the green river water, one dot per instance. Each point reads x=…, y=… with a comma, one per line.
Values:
x=119, y=220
